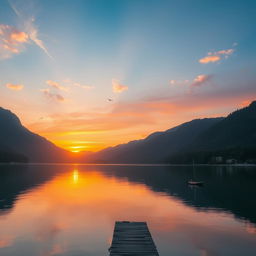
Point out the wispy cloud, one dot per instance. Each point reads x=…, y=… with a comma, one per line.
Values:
x=200, y=80
x=15, y=87
x=18, y=36
x=53, y=96
x=76, y=84
x=117, y=87
x=179, y=82
x=210, y=58
x=224, y=52
x=29, y=28
x=216, y=56
x=86, y=87
x=56, y=85
x=11, y=41
x=32, y=31
x=196, y=82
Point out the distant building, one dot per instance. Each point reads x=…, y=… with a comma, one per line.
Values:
x=231, y=161
x=251, y=161
x=217, y=159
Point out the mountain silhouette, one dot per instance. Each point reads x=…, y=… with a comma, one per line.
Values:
x=157, y=146
x=198, y=140
x=17, y=141
x=236, y=130
x=233, y=137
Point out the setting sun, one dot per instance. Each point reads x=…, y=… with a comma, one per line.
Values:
x=75, y=151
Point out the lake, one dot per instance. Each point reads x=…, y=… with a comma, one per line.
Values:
x=70, y=210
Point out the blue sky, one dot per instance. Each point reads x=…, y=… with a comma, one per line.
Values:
x=64, y=59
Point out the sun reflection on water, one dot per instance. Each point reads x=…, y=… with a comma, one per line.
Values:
x=78, y=208
x=75, y=176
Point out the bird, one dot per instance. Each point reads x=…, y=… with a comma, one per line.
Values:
x=110, y=99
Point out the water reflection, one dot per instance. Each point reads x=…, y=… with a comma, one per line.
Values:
x=75, y=176
x=70, y=210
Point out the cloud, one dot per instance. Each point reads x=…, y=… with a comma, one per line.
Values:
x=19, y=36
x=15, y=87
x=117, y=87
x=29, y=28
x=86, y=87
x=76, y=84
x=200, y=80
x=56, y=85
x=216, y=56
x=190, y=84
x=11, y=41
x=33, y=35
x=207, y=59
x=52, y=96
x=179, y=82
x=225, y=52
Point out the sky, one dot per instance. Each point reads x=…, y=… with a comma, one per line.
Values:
x=88, y=74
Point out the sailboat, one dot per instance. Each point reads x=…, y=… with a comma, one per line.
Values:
x=194, y=182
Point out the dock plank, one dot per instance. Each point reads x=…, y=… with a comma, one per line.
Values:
x=132, y=239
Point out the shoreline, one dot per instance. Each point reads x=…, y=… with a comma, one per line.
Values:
x=130, y=164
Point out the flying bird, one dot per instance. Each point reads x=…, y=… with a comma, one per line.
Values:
x=110, y=99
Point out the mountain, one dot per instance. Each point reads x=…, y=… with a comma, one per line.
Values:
x=157, y=146
x=234, y=137
x=199, y=140
x=237, y=130
x=17, y=143
x=202, y=139
x=8, y=157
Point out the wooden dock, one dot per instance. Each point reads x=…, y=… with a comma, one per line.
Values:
x=132, y=239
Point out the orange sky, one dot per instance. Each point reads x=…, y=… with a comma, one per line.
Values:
x=123, y=122
x=109, y=77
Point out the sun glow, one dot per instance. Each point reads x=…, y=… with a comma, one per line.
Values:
x=77, y=149
x=75, y=176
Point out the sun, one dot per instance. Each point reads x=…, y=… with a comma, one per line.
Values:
x=75, y=151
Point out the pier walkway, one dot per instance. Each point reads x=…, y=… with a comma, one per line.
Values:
x=132, y=239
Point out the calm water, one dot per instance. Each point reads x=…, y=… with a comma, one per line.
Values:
x=70, y=210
